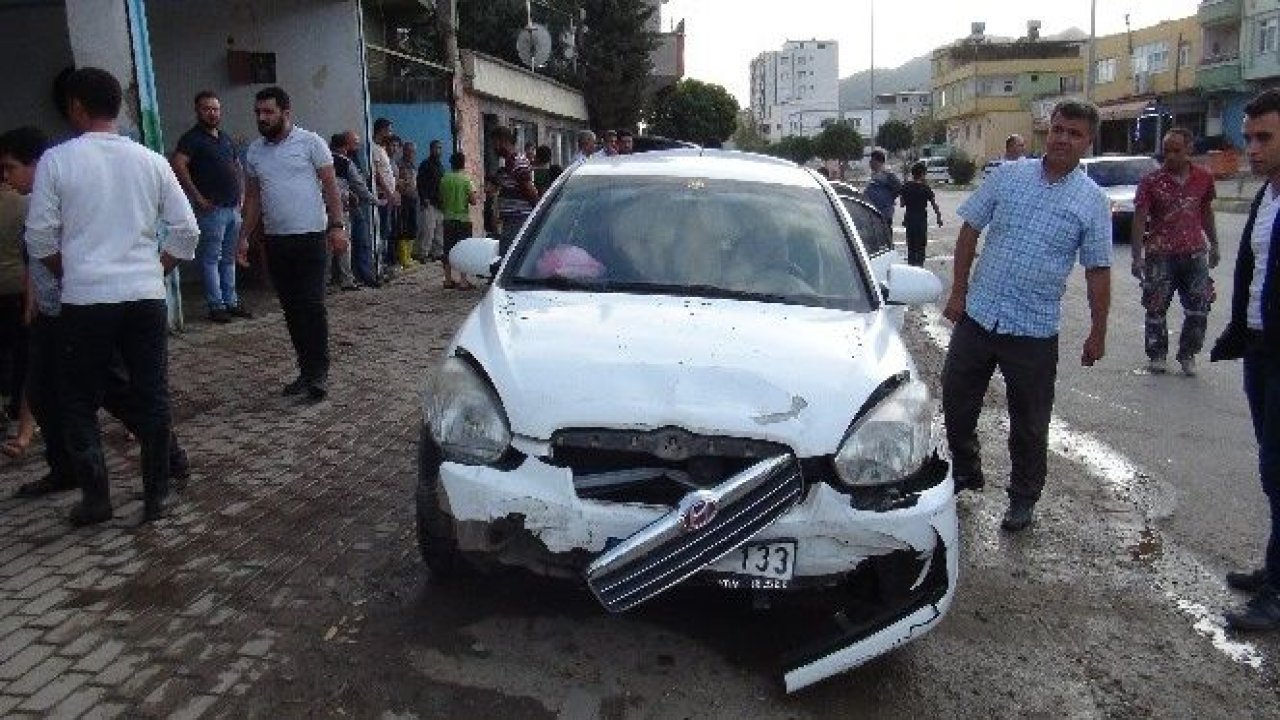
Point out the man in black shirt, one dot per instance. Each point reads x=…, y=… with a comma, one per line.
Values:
x=208, y=168
x=431, y=235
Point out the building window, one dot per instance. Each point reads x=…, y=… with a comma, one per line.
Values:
x=1008, y=87
x=1150, y=58
x=1069, y=84
x=1267, y=35
x=1105, y=71
x=1184, y=54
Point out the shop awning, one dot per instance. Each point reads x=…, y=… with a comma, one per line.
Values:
x=1123, y=111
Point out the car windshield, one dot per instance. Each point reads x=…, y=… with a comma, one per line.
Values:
x=1109, y=173
x=691, y=237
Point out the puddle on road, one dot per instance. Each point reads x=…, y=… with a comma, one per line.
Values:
x=1126, y=483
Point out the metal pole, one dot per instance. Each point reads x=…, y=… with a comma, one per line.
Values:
x=1091, y=66
x=873, y=73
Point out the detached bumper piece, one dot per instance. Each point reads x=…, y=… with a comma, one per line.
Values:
x=704, y=527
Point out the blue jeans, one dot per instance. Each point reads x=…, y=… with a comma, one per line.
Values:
x=1262, y=388
x=216, y=253
x=362, y=246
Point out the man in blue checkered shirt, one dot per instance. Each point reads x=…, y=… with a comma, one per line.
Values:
x=1040, y=216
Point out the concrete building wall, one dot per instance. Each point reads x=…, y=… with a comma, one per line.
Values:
x=795, y=89
x=1260, y=59
x=189, y=43
x=29, y=62
x=1175, y=76
x=982, y=136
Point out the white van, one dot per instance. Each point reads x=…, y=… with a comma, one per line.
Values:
x=935, y=170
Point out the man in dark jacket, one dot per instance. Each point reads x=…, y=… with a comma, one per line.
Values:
x=430, y=240
x=1254, y=334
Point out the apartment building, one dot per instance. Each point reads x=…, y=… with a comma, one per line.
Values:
x=984, y=88
x=795, y=91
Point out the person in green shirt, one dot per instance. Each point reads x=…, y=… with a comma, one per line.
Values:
x=457, y=195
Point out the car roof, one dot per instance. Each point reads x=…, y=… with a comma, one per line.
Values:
x=701, y=163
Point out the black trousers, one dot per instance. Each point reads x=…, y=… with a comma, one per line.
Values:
x=90, y=339
x=45, y=396
x=13, y=352
x=1030, y=368
x=297, y=267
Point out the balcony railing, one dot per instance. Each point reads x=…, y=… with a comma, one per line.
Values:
x=1212, y=12
x=1209, y=62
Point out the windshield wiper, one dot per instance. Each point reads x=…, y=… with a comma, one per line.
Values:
x=706, y=291
x=559, y=282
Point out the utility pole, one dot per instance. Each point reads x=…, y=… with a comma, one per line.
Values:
x=1091, y=63
x=873, y=73
x=448, y=20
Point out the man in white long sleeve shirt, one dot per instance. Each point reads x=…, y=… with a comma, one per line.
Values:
x=108, y=216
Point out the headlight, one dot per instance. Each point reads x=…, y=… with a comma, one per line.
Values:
x=890, y=442
x=464, y=415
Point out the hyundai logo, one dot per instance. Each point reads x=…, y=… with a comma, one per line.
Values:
x=698, y=513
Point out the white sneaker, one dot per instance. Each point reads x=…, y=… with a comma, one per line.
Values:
x=1188, y=365
x=1157, y=366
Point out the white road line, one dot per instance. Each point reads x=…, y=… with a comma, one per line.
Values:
x=1122, y=478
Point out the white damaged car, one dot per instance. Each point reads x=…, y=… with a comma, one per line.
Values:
x=685, y=371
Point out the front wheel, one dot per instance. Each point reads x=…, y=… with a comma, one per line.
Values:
x=436, y=541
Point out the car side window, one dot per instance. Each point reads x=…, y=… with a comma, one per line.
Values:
x=876, y=235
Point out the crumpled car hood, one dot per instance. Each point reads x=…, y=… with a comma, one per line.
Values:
x=776, y=372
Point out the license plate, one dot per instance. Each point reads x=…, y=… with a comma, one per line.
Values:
x=772, y=560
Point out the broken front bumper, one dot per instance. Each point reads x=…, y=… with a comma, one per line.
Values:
x=901, y=558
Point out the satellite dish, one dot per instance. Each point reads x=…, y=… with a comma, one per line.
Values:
x=534, y=45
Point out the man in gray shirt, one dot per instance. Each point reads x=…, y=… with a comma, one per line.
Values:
x=292, y=190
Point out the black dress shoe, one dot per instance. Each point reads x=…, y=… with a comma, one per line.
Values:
x=1017, y=517
x=1261, y=613
x=1250, y=582
x=46, y=485
x=82, y=515
x=154, y=509
x=318, y=390
x=973, y=482
x=295, y=387
x=240, y=311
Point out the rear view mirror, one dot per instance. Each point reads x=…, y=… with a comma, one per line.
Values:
x=910, y=285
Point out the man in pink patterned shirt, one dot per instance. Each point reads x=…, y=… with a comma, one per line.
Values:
x=1173, y=224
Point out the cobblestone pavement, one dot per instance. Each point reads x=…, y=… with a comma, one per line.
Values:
x=286, y=502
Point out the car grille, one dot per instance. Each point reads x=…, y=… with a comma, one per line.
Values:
x=705, y=526
x=658, y=467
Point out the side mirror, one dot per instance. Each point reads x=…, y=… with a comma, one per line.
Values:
x=910, y=285
x=475, y=257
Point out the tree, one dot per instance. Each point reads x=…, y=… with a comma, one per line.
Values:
x=796, y=148
x=747, y=137
x=695, y=111
x=927, y=130
x=491, y=27
x=614, y=67
x=894, y=136
x=839, y=142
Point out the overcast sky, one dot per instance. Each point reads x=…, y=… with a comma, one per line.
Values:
x=722, y=36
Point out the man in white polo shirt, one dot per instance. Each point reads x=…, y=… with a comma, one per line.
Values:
x=100, y=207
x=292, y=190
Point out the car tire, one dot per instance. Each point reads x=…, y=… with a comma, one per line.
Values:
x=436, y=541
